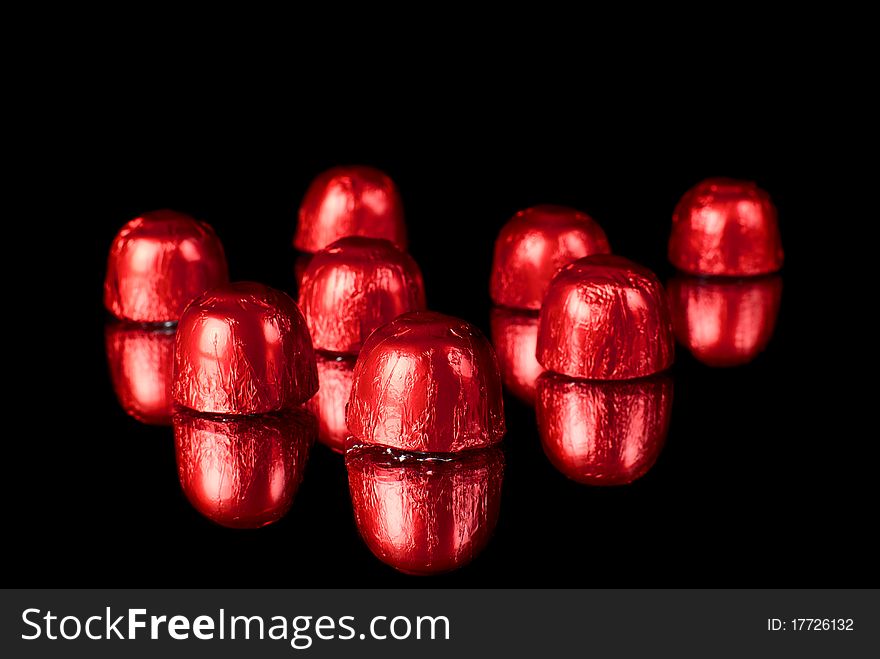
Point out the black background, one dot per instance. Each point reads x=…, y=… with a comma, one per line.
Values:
x=759, y=483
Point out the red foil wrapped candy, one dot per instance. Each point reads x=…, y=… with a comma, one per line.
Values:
x=141, y=361
x=425, y=514
x=725, y=227
x=158, y=263
x=335, y=375
x=724, y=322
x=605, y=318
x=243, y=349
x=603, y=433
x=426, y=382
x=515, y=336
x=350, y=201
x=242, y=473
x=354, y=286
x=533, y=246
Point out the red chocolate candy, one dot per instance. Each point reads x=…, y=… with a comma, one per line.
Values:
x=533, y=246
x=141, y=361
x=515, y=335
x=350, y=201
x=605, y=318
x=426, y=382
x=725, y=227
x=335, y=374
x=425, y=515
x=354, y=286
x=243, y=349
x=724, y=322
x=603, y=433
x=242, y=473
x=158, y=263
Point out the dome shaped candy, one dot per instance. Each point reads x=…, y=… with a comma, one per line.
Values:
x=349, y=201
x=354, y=286
x=533, y=246
x=243, y=349
x=725, y=227
x=605, y=318
x=514, y=335
x=335, y=374
x=426, y=382
x=158, y=263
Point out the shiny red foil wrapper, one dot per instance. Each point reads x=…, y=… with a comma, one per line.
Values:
x=141, y=360
x=243, y=349
x=724, y=322
x=603, y=433
x=515, y=337
x=605, y=318
x=335, y=375
x=423, y=514
x=243, y=472
x=533, y=246
x=725, y=227
x=354, y=286
x=426, y=382
x=350, y=201
x=158, y=263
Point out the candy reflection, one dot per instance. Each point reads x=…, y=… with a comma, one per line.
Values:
x=603, y=433
x=334, y=379
x=140, y=361
x=425, y=514
x=514, y=335
x=724, y=322
x=242, y=472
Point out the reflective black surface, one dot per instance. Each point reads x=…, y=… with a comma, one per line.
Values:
x=758, y=483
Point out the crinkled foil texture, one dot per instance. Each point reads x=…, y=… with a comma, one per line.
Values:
x=243, y=349
x=533, y=246
x=423, y=514
x=603, y=433
x=354, y=286
x=426, y=382
x=724, y=322
x=335, y=375
x=242, y=473
x=515, y=335
x=350, y=201
x=158, y=263
x=605, y=318
x=141, y=361
x=726, y=227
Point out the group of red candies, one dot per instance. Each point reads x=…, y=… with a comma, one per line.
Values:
x=248, y=377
